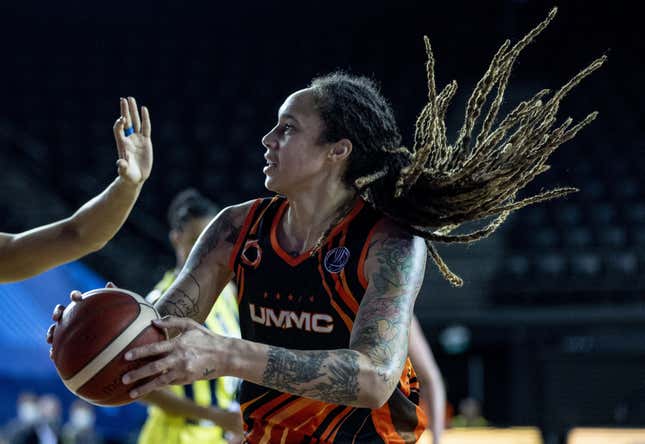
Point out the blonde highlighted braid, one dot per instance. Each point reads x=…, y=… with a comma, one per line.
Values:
x=436, y=187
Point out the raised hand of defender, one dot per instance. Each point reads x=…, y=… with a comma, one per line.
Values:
x=135, y=150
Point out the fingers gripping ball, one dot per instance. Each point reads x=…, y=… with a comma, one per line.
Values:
x=92, y=337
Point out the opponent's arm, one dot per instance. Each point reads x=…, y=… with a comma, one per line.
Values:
x=186, y=408
x=206, y=271
x=95, y=223
x=364, y=375
x=433, y=391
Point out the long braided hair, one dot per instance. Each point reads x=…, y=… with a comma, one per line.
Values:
x=436, y=187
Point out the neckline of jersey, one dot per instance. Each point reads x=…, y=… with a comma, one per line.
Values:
x=297, y=260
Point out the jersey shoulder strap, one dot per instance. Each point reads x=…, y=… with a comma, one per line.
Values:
x=252, y=223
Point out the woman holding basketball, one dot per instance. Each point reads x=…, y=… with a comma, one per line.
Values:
x=328, y=270
x=326, y=290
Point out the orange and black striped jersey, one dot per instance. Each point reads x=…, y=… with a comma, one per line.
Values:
x=310, y=303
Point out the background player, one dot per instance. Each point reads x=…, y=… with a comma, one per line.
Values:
x=202, y=411
x=433, y=390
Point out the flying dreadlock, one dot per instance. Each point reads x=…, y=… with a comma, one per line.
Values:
x=436, y=187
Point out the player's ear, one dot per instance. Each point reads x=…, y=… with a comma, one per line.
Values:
x=173, y=237
x=340, y=150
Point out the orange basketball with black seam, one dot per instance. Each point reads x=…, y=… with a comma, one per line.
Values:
x=92, y=337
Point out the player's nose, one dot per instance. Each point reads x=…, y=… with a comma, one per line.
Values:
x=269, y=140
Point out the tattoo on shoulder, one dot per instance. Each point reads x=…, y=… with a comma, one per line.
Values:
x=227, y=225
x=320, y=375
x=224, y=229
x=183, y=300
x=396, y=264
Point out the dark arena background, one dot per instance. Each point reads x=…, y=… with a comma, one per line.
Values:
x=548, y=331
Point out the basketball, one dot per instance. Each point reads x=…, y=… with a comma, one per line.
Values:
x=92, y=338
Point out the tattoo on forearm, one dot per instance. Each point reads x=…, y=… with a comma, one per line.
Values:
x=326, y=376
x=181, y=304
x=341, y=384
x=199, y=288
x=383, y=344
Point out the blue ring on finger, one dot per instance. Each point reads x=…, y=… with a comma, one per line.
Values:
x=128, y=131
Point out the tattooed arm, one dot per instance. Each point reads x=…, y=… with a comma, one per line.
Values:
x=363, y=375
x=367, y=372
x=206, y=271
x=395, y=268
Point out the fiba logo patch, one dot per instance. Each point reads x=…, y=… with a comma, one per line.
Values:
x=336, y=259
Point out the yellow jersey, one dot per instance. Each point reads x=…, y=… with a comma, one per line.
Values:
x=162, y=428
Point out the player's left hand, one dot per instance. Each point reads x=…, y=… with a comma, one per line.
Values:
x=181, y=360
x=75, y=296
x=135, y=149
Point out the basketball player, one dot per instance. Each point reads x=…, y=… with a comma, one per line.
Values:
x=328, y=270
x=29, y=253
x=185, y=414
x=169, y=421
x=174, y=410
x=432, y=390
x=188, y=216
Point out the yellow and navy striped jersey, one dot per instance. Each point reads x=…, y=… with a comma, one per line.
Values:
x=221, y=392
